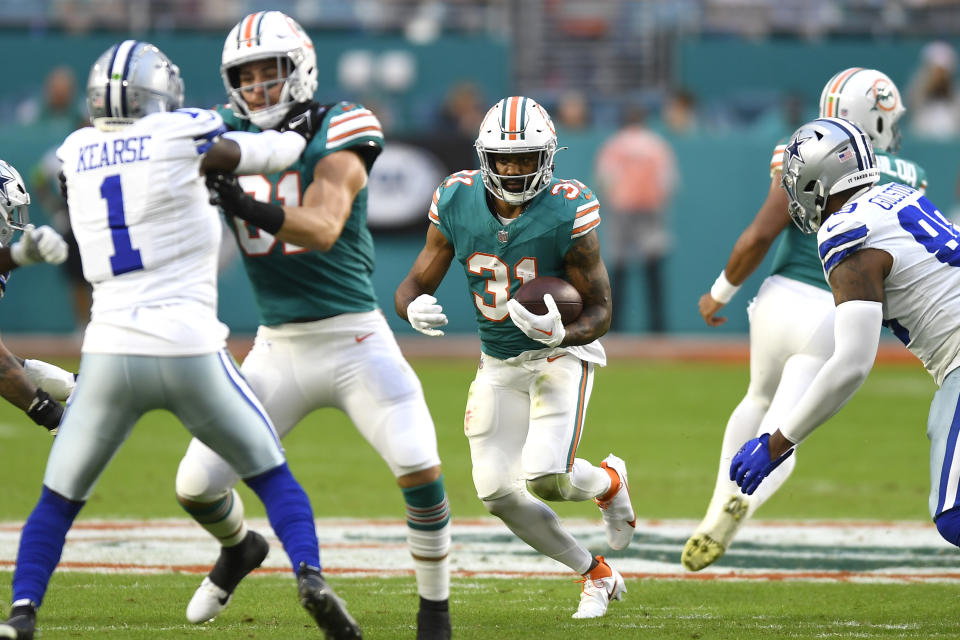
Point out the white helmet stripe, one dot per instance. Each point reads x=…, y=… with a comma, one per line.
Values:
x=116, y=84
x=859, y=140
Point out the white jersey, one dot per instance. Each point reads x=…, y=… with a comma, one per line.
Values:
x=147, y=234
x=922, y=292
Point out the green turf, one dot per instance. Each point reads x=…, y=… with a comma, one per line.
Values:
x=665, y=420
x=148, y=607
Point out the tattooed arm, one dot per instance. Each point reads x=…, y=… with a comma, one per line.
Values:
x=586, y=271
x=15, y=386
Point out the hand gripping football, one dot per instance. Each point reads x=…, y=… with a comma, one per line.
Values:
x=568, y=300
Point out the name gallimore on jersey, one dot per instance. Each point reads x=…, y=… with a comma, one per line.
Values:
x=109, y=153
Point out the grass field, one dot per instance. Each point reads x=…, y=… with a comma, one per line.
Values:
x=666, y=420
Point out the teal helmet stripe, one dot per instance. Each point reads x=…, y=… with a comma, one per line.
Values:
x=256, y=27
x=522, y=119
x=503, y=118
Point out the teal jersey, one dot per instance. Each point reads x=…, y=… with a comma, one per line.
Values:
x=796, y=256
x=498, y=258
x=291, y=283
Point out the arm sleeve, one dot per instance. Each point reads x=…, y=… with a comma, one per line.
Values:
x=856, y=329
x=267, y=151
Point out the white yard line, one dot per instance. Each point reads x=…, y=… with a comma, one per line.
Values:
x=832, y=551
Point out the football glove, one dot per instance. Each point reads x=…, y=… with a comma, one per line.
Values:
x=547, y=328
x=45, y=411
x=59, y=383
x=304, y=118
x=752, y=463
x=425, y=315
x=39, y=244
x=226, y=192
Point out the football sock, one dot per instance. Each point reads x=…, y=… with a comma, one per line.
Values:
x=741, y=426
x=289, y=513
x=428, y=536
x=536, y=524
x=41, y=545
x=587, y=481
x=237, y=561
x=602, y=570
x=223, y=518
x=798, y=372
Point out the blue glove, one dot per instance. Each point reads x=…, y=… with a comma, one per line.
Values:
x=752, y=463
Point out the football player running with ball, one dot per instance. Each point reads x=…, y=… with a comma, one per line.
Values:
x=891, y=259
x=34, y=386
x=322, y=340
x=148, y=241
x=508, y=223
x=791, y=319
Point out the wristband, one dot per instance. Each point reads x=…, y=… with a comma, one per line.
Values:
x=45, y=411
x=722, y=290
x=264, y=215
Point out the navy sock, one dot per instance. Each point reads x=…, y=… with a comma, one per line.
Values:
x=41, y=545
x=290, y=514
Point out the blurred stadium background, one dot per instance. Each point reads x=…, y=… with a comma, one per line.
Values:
x=746, y=71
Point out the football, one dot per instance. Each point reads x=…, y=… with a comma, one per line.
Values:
x=568, y=300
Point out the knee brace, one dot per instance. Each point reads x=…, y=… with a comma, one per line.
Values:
x=197, y=483
x=948, y=524
x=553, y=487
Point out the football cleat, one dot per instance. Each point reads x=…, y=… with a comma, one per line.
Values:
x=433, y=620
x=600, y=586
x=215, y=592
x=712, y=538
x=325, y=606
x=21, y=623
x=618, y=516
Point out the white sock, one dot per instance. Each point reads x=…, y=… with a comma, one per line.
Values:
x=536, y=524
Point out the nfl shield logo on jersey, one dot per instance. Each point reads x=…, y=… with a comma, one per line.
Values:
x=503, y=235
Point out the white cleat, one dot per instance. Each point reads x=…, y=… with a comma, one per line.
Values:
x=618, y=515
x=597, y=593
x=713, y=537
x=207, y=602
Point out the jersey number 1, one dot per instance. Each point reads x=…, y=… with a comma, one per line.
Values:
x=125, y=258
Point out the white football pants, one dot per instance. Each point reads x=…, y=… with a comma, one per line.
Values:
x=791, y=337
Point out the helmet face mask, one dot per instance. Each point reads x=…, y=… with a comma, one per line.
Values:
x=869, y=99
x=824, y=157
x=14, y=204
x=132, y=79
x=270, y=37
x=516, y=126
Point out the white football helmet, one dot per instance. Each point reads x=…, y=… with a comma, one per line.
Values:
x=869, y=99
x=130, y=80
x=270, y=35
x=824, y=157
x=517, y=125
x=14, y=201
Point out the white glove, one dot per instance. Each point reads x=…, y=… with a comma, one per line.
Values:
x=39, y=244
x=547, y=328
x=425, y=315
x=58, y=382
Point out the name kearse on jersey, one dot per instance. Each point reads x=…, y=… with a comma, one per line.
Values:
x=121, y=151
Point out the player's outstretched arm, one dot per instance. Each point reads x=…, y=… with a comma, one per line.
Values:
x=413, y=300
x=748, y=252
x=36, y=244
x=19, y=390
x=857, y=284
x=586, y=271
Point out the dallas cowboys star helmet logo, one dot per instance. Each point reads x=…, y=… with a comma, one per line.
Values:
x=793, y=149
x=5, y=179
